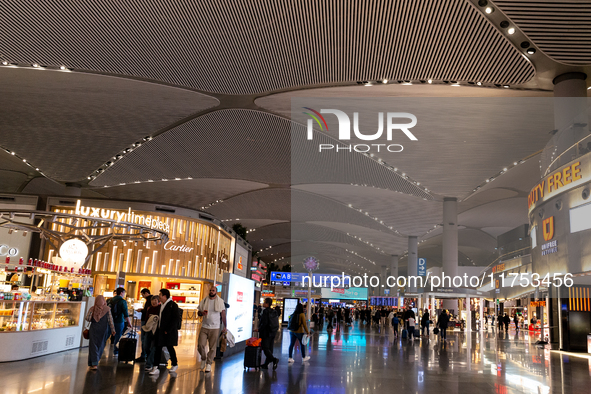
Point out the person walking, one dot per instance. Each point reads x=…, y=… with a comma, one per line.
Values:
x=507, y=320
x=425, y=323
x=329, y=318
x=168, y=331
x=213, y=310
x=268, y=327
x=150, y=328
x=143, y=335
x=120, y=314
x=297, y=326
x=516, y=321
x=411, y=328
x=443, y=322
x=101, y=326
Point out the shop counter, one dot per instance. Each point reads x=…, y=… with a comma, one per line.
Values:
x=35, y=328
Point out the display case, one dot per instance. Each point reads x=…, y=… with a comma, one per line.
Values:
x=186, y=295
x=38, y=315
x=34, y=328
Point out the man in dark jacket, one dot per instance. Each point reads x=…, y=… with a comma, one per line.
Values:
x=507, y=320
x=120, y=315
x=144, y=335
x=268, y=327
x=168, y=333
x=443, y=322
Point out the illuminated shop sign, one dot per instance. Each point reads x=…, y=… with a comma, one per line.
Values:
x=121, y=216
x=535, y=304
x=548, y=230
x=6, y=250
x=177, y=248
x=557, y=182
x=498, y=268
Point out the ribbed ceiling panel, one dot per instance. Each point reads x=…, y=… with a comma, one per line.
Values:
x=561, y=29
x=68, y=124
x=248, y=145
x=245, y=47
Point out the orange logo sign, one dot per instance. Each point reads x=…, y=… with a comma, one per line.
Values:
x=548, y=225
x=240, y=267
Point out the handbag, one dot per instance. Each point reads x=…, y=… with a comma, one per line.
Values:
x=305, y=339
x=86, y=332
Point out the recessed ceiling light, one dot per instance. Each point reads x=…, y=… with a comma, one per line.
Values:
x=62, y=67
x=384, y=81
x=35, y=65
x=531, y=51
x=479, y=83
x=489, y=10
x=430, y=81
x=506, y=86
x=5, y=63
x=511, y=30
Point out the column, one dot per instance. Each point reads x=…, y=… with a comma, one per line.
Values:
x=468, y=316
x=450, y=242
x=383, y=280
x=481, y=314
x=394, y=272
x=412, y=262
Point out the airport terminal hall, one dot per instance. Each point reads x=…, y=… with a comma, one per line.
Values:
x=295, y=196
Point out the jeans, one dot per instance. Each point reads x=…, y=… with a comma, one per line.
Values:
x=293, y=337
x=150, y=349
x=443, y=332
x=118, y=332
x=423, y=329
x=411, y=332
x=144, y=339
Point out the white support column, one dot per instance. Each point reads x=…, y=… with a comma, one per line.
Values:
x=412, y=261
x=468, y=316
x=481, y=314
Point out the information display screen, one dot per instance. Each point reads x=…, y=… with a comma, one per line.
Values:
x=241, y=300
x=289, y=305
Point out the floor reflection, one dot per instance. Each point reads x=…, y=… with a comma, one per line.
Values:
x=358, y=359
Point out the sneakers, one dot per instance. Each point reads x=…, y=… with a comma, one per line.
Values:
x=203, y=364
x=174, y=368
x=307, y=358
x=291, y=361
x=154, y=371
x=208, y=368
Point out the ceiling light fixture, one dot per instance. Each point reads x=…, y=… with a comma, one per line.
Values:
x=384, y=81
x=62, y=68
x=531, y=51
x=489, y=10
x=35, y=65
x=430, y=81
x=511, y=30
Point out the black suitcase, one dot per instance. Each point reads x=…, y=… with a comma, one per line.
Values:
x=127, y=348
x=252, y=357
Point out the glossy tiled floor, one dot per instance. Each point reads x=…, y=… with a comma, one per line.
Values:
x=356, y=360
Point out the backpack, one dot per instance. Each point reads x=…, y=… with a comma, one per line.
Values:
x=294, y=322
x=273, y=321
x=115, y=312
x=395, y=321
x=180, y=322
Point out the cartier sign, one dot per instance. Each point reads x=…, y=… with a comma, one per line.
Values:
x=176, y=248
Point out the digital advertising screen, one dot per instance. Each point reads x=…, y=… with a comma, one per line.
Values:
x=241, y=300
x=289, y=305
x=353, y=293
x=240, y=261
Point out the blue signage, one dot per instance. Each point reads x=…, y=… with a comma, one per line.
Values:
x=422, y=267
x=318, y=280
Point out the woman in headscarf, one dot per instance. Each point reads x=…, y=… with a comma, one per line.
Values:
x=101, y=328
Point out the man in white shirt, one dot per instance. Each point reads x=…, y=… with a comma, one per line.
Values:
x=411, y=327
x=213, y=310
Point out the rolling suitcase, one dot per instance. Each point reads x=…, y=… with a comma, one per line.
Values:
x=252, y=357
x=404, y=333
x=127, y=347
